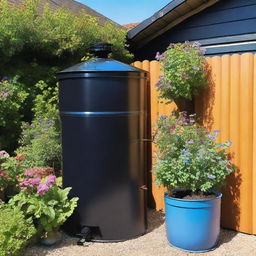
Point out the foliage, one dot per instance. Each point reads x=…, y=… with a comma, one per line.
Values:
x=46, y=41
x=183, y=67
x=12, y=97
x=40, y=141
x=189, y=158
x=11, y=169
x=36, y=42
x=44, y=201
x=15, y=231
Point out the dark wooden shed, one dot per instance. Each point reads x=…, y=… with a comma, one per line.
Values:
x=221, y=26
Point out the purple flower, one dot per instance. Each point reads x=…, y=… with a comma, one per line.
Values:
x=186, y=160
x=212, y=137
x=196, y=44
x=158, y=56
x=211, y=177
x=6, y=94
x=171, y=45
x=186, y=77
x=42, y=188
x=216, y=131
x=190, y=142
x=5, y=78
x=195, y=68
x=202, y=51
x=163, y=117
x=159, y=83
x=229, y=143
x=51, y=180
x=4, y=154
x=185, y=152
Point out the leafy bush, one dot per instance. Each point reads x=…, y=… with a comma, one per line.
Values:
x=189, y=158
x=41, y=141
x=15, y=231
x=34, y=45
x=11, y=169
x=46, y=41
x=183, y=67
x=12, y=97
x=44, y=201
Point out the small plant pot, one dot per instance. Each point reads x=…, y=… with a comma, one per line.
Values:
x=51, y=238
x=193, y=225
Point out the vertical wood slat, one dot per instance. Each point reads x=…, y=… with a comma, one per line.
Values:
x=231, y=193
x=246, y=145
x=254, y=150
x=228, y=105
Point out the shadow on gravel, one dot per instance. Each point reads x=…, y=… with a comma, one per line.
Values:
x=155, y=219
x=40, y=250
x=226, y=235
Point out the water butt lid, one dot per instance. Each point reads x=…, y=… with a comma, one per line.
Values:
x=100, y=63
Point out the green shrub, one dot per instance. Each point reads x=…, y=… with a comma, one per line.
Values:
x=12, y=97
x=35, y=45
x=11, y=170
x=44, y=201
x=48, y=41
x=15, y=231
x=40, y=141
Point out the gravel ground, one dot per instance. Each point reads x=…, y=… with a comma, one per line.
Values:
x=153, y=243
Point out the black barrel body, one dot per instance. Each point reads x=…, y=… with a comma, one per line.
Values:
x=104, y=129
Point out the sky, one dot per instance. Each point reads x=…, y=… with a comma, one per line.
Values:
x=126, y=11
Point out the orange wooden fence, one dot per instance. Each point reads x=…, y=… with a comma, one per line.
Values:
x=229, y=104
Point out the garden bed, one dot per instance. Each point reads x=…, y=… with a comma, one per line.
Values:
x=153, y=243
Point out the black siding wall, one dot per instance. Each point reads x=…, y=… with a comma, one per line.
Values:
x=223, y=21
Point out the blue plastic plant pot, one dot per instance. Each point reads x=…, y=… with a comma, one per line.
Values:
x=193, y=225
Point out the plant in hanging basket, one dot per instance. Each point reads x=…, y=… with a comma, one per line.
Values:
x=183, y=69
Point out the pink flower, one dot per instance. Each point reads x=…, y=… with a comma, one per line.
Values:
x=19, y=158
x=42, y=188
x=3, y=173
x=51, y=180
x=35, y=181
x=6, y=94
x=29, y=173
x=29, y=183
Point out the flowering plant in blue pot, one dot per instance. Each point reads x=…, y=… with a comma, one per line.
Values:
x=192, y=166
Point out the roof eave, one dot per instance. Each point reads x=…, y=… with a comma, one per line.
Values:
x=162, y=20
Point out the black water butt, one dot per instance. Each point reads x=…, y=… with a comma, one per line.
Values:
x=104, y=111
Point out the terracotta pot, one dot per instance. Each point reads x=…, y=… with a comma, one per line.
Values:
x=51, y=238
